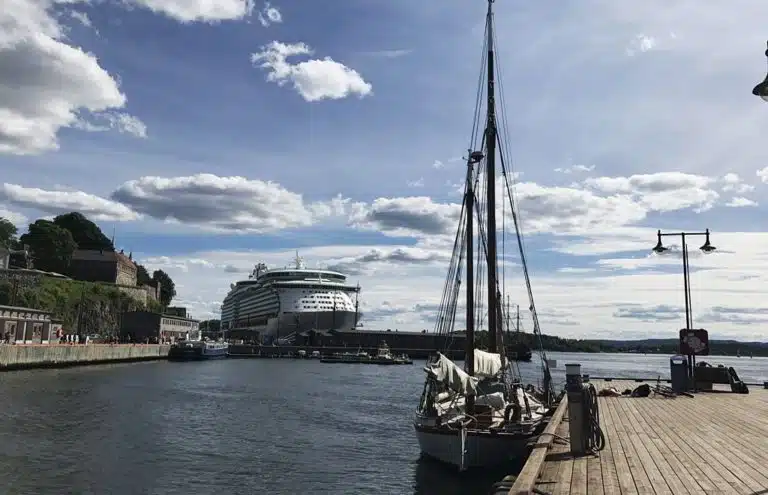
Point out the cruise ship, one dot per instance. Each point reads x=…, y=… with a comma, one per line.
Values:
x=280, y=303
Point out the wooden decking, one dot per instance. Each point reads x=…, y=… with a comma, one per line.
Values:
x=712, y=443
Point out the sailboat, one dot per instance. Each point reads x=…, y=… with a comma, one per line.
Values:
x=481, y=415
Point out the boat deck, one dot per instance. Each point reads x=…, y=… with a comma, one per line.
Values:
x=715, y=442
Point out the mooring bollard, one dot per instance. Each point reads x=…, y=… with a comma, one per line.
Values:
x=574, y=387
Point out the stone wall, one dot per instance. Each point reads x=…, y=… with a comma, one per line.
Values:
x=63, y=355
x=136, y=293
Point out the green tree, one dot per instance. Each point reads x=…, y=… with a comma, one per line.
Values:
x=51, y=246
x=142, y=275
x=8, y=232
x=86, y=234
x=167, y=287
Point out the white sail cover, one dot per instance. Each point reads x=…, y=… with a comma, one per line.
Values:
x=487, y=364
x=446, y=371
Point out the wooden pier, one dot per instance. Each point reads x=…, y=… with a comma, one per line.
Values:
x=715, y=442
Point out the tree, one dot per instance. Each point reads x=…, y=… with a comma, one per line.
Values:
x=8, y=232
x=142, y=275
x=50, y=245
x=86, y=234
x=167, y=287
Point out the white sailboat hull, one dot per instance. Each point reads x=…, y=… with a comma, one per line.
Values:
x=482, y=449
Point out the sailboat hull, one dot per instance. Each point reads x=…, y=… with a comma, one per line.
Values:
x=482, y=449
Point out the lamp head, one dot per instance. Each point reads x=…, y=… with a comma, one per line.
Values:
x=761, y=89
x=659, y=248
x=707, y=247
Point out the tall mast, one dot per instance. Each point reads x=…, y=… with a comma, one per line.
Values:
x=490, y=140
x=469, y=356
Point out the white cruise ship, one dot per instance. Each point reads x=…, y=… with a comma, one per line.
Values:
x=279, y=303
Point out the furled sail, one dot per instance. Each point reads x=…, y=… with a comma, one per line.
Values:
x=487, y=364
x=448, y=373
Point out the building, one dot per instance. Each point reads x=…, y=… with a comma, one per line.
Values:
x=103, y=266
x=176, y=311
x=140, y=326
x=26, y=326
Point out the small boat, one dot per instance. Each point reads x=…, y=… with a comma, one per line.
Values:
x=198, y=350
x=383, y=356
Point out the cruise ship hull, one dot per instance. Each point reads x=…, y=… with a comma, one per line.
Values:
x=289, y=323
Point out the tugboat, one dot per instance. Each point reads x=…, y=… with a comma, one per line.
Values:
x=198, y=350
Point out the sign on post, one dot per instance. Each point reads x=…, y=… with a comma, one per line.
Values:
x=694, y=342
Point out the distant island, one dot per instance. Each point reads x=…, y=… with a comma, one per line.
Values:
x=644, y=346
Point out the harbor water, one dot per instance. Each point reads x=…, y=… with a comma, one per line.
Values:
x=245, y=426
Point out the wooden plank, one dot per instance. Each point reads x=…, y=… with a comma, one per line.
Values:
x=634, y=462
x=671, y=481
x=692, y=458
x=526, y=480
x=712, y=443
x=720, y=453
x=608, y=473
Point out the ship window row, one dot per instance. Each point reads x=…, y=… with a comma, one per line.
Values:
x=176, y=323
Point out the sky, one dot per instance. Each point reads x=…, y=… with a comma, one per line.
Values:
x=211, y=135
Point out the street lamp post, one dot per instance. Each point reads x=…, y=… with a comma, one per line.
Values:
x=707, y=247
x=761, y=89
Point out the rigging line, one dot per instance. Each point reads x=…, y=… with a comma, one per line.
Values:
x=480, y=89
x=450, y=277
x=505, y=130
x=534, y=314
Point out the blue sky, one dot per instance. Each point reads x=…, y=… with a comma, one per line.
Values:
x=188, y=128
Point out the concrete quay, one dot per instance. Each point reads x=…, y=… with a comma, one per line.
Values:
x=29, y=356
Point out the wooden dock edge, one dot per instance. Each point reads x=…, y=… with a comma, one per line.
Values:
x=526, y=480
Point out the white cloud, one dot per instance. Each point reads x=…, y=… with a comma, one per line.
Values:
x=413, y=216
x=733, y=183
x=437, y=164
x=199, y=10
x=641, y=44
x=44, y=81
x=575, y=169
x=663, y=191
x=17, y=219
x=121, y=122
x=315, y=79
x=740, y=202
x=269, y=15
x=81, y=17
x=233, y=204
x=57, y=202
x=763, y=175
x=416, y=183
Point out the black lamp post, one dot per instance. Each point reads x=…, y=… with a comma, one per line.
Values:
x=707, y=247
x=761, y=89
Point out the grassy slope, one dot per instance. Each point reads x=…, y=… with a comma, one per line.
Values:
x=101, y=309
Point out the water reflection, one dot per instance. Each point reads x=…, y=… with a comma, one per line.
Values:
x=435, y=478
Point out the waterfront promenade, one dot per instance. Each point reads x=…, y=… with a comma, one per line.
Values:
x=27, y=356
x=715, y=442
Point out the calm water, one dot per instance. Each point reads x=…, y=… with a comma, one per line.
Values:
x=241, y=427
